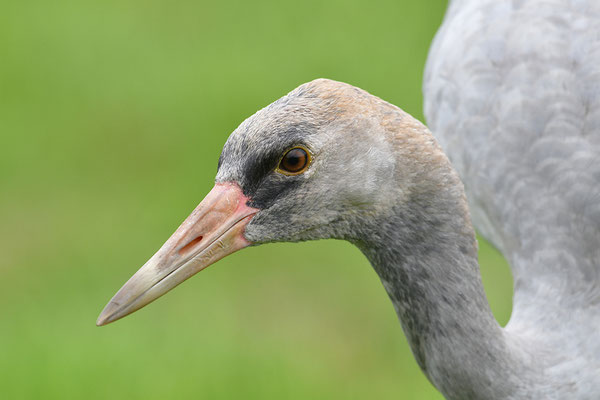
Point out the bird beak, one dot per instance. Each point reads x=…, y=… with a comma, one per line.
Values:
x=213, y=230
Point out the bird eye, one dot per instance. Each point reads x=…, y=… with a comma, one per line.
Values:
x=294, y=162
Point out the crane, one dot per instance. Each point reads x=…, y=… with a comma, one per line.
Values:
x=512, y=94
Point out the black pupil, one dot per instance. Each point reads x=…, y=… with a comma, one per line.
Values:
x=294, y=160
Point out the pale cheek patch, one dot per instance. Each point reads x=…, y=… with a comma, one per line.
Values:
x=366, y=172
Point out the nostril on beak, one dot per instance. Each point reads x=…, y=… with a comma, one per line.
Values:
x=190, y=245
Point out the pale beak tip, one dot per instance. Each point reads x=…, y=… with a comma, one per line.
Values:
x=107, y=315
x=102, y=320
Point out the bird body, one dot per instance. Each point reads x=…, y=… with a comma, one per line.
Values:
x=330, y=160
x=512, y=92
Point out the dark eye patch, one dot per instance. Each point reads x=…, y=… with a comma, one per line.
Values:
x=271, y=189
x=261, y=184
x=256, y=169
x=251, y=160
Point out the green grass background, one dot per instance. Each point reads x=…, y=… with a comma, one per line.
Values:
x=112, y=118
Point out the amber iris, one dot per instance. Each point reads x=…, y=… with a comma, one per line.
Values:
x=294, y=161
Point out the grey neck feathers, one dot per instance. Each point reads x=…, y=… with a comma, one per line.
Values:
x=425, y=253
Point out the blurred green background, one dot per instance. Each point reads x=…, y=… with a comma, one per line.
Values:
x=112, y=118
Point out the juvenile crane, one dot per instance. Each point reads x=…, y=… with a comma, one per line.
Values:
x=512, y=92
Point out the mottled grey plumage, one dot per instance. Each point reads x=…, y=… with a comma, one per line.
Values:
x=512, y=92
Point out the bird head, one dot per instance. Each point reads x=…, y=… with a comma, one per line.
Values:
x=312, y=162
x=320, y=162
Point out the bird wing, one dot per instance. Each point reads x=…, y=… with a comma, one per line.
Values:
x=512, y=93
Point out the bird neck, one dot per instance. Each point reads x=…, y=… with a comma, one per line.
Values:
x=425, y=254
